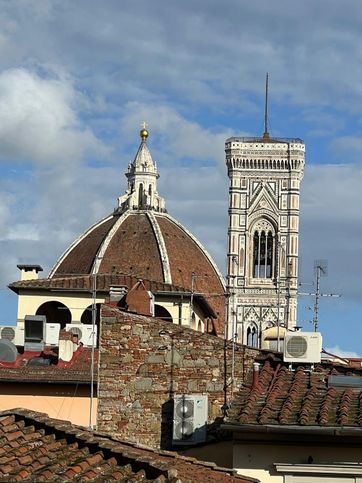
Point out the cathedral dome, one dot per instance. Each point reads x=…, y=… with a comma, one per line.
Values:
x=142, y=240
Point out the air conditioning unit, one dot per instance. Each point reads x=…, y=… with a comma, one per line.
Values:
x=51, y=334
x=302, y=347
x=34, y=332
x=84, y=333
x=14, y=334
x=189, y=419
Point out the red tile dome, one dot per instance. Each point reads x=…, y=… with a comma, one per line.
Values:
x=150, y=245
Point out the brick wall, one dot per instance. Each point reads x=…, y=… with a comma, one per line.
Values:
x=144, y=362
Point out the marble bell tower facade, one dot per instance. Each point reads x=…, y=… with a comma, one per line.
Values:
x=262, y=274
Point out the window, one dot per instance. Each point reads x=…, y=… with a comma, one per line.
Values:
x=252, y=336
x=263, y=250
x=140, y=195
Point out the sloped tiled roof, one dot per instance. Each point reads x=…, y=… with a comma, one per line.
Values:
x=104, y=282
x=76, y=371
x=148, y=247
x=300, y=397
x=34, y=447
x=84, y=282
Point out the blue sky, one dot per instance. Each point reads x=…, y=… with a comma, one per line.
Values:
x=78, y=78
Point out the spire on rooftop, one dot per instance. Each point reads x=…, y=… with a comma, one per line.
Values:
x=142, y=176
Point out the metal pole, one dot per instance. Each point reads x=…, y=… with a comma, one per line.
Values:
x=266, y=106
x=233, y=350
x=94, y=315
x=278, y=298
x=192, y=296
x=317, y=297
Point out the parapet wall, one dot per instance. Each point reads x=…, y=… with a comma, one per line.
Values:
x=145, y=361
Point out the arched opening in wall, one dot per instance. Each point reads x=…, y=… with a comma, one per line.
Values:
x=263, y=249
x=193, y=321
x=162, y=313
x=200, y=326
x=86, y=318
x=252, y=336
x=140, y=195
x=55, y=312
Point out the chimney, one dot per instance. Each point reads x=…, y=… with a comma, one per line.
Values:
x=256, y=367
x=29, y=272
x=117, y=292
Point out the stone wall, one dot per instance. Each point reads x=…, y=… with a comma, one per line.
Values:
x=145, y=361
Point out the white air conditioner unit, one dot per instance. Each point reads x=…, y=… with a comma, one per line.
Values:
x=302, y=347
x=13, y=333
x=84, y=333
x=189, y=419
x=51, y=336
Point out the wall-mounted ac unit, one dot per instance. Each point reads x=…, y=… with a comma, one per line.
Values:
x=13, y=333
x=51, y=334
x=84, y=333
x=302, y=347
x=189, y=419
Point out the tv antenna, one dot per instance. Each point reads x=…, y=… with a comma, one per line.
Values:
x=320, y=270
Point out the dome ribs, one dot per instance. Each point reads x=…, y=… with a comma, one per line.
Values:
x=133, y=250
x=79, y=260
x=187, y=257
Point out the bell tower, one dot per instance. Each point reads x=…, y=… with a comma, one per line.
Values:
x=262, y=273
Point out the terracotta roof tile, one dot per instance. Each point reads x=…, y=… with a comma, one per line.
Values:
x=298, y=397
x=75, y=371
x=104, y=282
x=59, y=451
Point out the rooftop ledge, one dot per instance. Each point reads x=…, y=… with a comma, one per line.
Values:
x=341, y=431
x=265, y=140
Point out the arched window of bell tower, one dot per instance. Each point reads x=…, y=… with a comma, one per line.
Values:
x=252, y=336
x=263, y=249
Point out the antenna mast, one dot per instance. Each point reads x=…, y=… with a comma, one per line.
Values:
x=321, y=270
x=266, y=133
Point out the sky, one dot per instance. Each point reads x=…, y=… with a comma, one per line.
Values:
x=77, y=79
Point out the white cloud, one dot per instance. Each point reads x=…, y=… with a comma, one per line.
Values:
x=204, y=56
x=40, y=122
x=22, y=231
x=177, y=137
x=336, y=350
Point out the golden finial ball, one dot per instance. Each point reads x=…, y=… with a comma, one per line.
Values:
x=144, y=134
